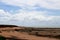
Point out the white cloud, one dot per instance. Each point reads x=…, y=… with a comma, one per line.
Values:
x=4, y=16
x=32, y=18
x=50, y=4
x=39, y=15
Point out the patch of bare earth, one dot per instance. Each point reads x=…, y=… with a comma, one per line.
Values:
x=17, y=33
x=25, y=36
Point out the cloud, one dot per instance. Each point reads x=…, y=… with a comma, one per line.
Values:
x=4, y=16
x=49, y=4
x=26, y=18
x=35, y=18
x=28, y=15
x=39, y=15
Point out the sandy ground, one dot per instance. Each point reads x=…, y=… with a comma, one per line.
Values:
x=21, y=35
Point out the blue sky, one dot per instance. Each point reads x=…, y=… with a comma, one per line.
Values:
x=9, y=8
x=34, y=13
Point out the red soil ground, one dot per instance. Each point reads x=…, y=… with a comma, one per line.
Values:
x=20, y=35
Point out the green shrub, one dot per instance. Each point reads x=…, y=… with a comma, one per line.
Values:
x=2, y=37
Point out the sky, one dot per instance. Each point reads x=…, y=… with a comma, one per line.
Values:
x=31, y=13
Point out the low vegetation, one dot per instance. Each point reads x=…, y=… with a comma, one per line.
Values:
x=2, y=37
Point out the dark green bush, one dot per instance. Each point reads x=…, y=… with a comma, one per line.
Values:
x=2, y=37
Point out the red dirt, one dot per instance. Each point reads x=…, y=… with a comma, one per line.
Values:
x=20, y=35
